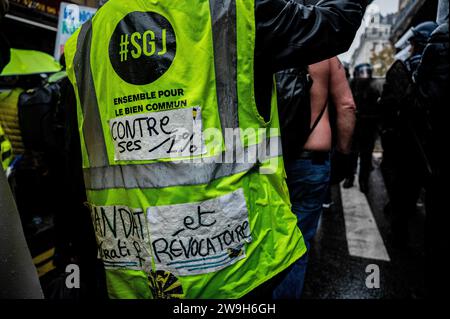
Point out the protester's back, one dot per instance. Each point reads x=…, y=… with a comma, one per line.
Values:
x=165, y=84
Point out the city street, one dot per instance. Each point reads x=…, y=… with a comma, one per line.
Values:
x=359, y=223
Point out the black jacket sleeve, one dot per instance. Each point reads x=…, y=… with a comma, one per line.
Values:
x=290, y=34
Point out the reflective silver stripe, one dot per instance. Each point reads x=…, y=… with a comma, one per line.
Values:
x=223, y=16
x=92, y=125
x=166, y=174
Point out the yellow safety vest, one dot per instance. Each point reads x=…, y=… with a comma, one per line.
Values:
x=9, y=118
x=180, y=209
x=6, y=153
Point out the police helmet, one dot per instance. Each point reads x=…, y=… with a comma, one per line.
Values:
x=422, y=32
x=363, y=71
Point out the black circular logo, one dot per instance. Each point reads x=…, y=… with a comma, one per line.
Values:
x=142, y=47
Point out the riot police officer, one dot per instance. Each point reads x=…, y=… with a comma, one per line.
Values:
x=405, y=164
x=365, y=93
x=432, y=82
x=420, y=35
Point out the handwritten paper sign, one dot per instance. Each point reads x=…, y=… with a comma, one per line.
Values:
x=122, y=239
x=203, y=237
x=166, y=134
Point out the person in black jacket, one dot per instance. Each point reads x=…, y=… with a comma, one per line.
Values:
x=405, y=133
x=288, y=34
x=432, y=83
x=308, y=167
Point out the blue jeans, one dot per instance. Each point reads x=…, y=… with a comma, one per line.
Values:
x=308, y=182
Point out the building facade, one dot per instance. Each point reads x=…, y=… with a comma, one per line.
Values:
x=375, y=37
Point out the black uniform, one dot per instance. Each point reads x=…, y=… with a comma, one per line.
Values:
x=409, y=170
x=365, y=93
x=409, y=162
x=432, y=78
x=395, y=135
